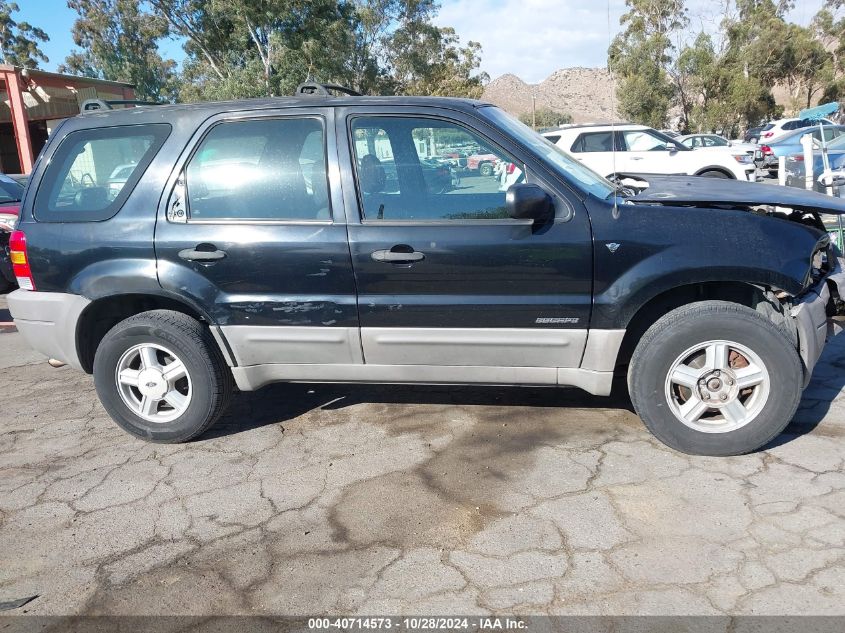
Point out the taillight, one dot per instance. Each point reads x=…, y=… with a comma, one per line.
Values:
x=798, y=157
x=20, y=260
x=766, y=149
x=768, y=134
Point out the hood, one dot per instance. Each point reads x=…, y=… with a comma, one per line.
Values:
x=697, y=190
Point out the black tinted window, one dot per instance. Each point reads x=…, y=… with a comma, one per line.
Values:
x=429, y=169
x=270, y=169
x=594, y=142
x=82, y=182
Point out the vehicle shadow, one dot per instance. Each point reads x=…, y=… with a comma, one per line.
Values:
x=280, y=403
x=818, y=398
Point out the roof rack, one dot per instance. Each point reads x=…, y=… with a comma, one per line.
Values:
x=313, y=89
x=92, y=105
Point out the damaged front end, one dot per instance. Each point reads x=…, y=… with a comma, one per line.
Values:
x=817, y=312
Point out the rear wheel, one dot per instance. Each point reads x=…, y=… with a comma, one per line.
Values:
x=714, y=173
x=485, y=169
x=161, y=376
x=753, y=139
x=715, y=378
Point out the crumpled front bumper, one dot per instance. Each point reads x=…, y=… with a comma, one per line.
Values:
x=813, y=317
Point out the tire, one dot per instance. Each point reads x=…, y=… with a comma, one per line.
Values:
x=485, y=169
x=714, y=173
x=752, y=140
x=149, y=342
x=683, y=337
x=773, y=173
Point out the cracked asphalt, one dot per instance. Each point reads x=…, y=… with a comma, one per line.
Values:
x=314, y=499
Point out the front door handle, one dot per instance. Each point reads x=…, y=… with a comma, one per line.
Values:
x=399, y=254
x=202, y=253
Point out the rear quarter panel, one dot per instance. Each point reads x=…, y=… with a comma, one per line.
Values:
x=108, y=257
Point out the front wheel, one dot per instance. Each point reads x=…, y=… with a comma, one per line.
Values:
x=714, y=173
x=715, y=378
x=485, y=169
x=161, y=376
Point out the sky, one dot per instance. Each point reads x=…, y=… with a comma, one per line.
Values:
x=529, y=38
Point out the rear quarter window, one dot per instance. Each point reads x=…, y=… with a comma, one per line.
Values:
x=93, y=172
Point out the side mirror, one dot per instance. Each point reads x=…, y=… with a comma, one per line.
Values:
x=526, y=201
x=673, y=149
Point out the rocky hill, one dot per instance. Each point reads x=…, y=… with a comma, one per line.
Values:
x=584, y=93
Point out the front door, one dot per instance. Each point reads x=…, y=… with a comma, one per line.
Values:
x=251, y=235
x=444, y=275
x=647, y=153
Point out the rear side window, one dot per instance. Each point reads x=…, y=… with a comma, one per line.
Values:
x=94, y=171
x=594, y=142
x=260, y=170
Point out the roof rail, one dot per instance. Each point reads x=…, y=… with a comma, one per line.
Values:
x=313, y=89
x=92, y=105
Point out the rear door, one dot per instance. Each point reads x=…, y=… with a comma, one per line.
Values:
x=444, y=276
x=253, y=232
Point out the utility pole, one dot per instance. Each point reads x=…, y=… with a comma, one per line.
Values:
x=533, y=109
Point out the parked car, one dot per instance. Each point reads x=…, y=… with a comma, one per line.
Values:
x=11, y=192
x=790, y=143
x=774, y=130
x=643, y=150
x=715, y=142
x=170, y=293
x=795, y=167
x=483, y=163
x=752, y=134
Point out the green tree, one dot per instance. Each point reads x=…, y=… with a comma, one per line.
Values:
x=242, y=48
x=118, y=41
x=19, y=41
x=641, y=55
x=545, y=117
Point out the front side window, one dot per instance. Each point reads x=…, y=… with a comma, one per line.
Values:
x=269, y=169
x=418, y=169
x=715, y=141
x=93, y=171
x=691, y=142
x=643, y=141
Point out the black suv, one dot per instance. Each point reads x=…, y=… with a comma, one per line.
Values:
x=176, y=251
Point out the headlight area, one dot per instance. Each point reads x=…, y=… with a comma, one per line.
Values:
x=745, y=159
x=8, y=222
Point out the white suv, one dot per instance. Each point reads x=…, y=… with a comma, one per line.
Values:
x=643, y=150
x=774, y=130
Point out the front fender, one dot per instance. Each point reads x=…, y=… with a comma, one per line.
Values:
x=661, y=248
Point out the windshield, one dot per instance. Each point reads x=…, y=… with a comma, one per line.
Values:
x=555, y=157
x=10, y=190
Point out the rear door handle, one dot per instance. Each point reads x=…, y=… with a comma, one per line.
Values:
x=398, y=256
x=202, y=253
